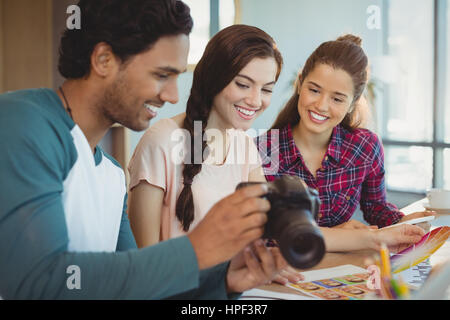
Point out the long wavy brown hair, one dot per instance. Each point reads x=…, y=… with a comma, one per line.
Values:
x=344, y=53
x=226, y=54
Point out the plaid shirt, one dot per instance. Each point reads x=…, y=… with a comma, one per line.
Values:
x=352, y=172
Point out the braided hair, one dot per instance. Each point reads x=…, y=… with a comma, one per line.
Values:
x=226, y=54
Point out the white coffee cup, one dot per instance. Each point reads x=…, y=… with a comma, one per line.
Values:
x=439, y=198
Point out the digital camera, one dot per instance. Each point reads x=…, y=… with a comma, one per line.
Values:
x=291, y=221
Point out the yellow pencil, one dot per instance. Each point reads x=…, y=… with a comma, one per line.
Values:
x=404, y=289
x=385, y=262
x=386, y=288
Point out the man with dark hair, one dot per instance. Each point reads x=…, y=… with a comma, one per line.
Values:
x=64, y=232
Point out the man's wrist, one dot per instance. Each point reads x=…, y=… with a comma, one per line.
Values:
x=231, y=294
x=198, y=252
x=228, y=289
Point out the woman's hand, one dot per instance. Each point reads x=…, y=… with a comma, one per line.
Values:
x=397, y=238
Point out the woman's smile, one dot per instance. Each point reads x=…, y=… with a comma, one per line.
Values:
x=245, y=113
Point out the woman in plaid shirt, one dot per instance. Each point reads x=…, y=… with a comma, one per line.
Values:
x=343, y=162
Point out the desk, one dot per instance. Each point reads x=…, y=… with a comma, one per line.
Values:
x=332, y=259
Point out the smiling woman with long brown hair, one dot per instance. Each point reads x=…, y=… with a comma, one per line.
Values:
x=232, y=85
x=319, y=140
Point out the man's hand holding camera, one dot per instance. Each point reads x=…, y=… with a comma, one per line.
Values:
x=236, y=221
x=230, y=226
x=233, y=224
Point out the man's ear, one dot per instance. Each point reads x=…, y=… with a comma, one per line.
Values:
x=103, y=60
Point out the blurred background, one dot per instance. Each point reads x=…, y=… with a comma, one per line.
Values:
x=407, y=42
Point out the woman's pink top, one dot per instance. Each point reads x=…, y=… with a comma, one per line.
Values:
x=158, y=160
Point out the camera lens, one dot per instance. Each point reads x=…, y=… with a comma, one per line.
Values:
x=301, y=243
x=291, y=221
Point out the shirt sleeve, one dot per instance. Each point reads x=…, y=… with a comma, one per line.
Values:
x=152, y=159
x=376, y=210
x=34, y=260
x=126, y=239
x=212, y=285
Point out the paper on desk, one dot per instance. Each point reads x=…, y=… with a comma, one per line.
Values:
x=421, y=250
x=437, y=287
x=346, y=282
x=411, y=276
x=258, y=294
x=331, y=272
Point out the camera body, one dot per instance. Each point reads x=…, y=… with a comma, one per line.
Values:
x=291, y=221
